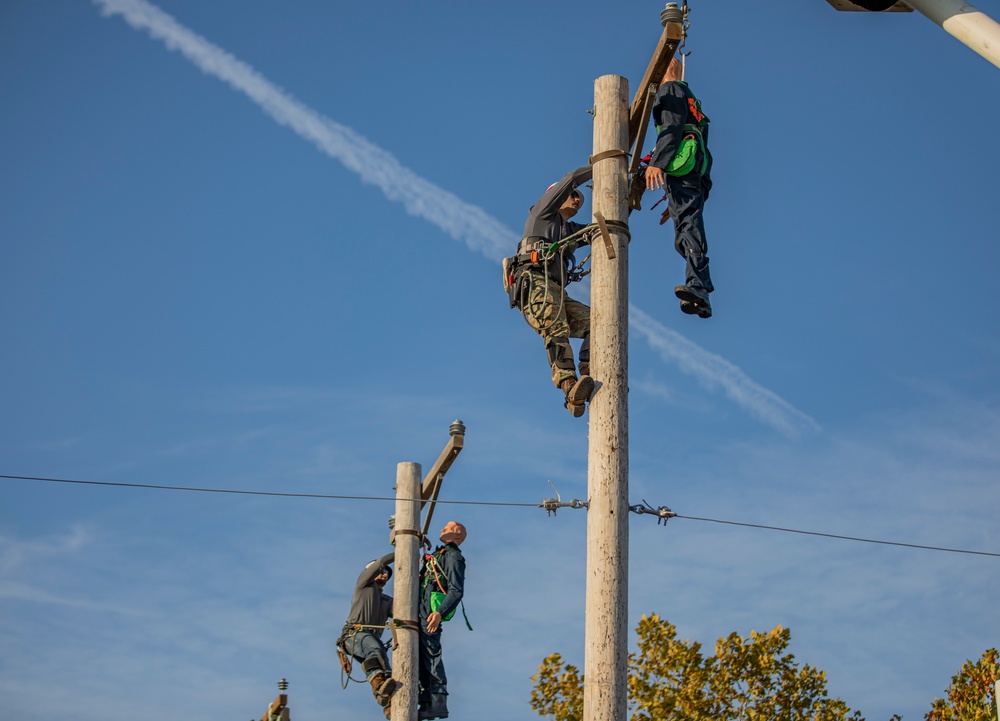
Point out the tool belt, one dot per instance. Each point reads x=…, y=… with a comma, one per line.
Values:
x=536, y=251
x=530, y=251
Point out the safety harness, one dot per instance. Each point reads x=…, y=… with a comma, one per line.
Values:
x=432, y=562
x=692, y=142
x=535, y=253
x=347, y=660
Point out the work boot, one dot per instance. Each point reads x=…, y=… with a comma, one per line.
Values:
x=436, y=708
x=383, y=687
x=584, y=368
x=577, y=394
x=694, y=301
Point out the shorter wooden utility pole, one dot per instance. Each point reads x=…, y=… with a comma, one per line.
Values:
x=408, y=536
x=404, y=605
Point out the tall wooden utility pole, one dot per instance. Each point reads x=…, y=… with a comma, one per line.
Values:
x=605, y=661
x=618, y=127
x=405, y=589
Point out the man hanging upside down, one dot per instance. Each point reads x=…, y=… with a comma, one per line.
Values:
x=682, y=163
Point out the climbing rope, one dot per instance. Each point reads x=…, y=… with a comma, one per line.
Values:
x=347, y=660
x=573, y=275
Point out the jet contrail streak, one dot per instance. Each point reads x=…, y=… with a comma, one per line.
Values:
x=480, y=231
x=714, y=371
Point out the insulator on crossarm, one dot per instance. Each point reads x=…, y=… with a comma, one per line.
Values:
x=671, y=14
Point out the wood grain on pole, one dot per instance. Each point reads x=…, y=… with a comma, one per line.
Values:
x=605, y=663
x=405, y=589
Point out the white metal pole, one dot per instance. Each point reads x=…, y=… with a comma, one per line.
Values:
x=965, y=23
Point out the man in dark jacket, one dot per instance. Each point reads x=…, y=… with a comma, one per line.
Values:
x=362, y=634
x=681, y=126
x=442, y=585
x=538, y=286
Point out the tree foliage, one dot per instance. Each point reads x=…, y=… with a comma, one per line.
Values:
x=750, y=679
x=971, y=695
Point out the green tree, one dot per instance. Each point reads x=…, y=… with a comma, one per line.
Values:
x=971, y=695
x=748, y=679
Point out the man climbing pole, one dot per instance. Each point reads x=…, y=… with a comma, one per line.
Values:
x=682, y=162
x=362, y=633
x=442, y=585
x=536, y=280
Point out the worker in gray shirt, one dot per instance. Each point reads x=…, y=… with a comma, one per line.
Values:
x=536, y=280
x=362, y=634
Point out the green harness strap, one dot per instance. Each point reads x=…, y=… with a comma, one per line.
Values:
x=437, y=597
x=693, y=140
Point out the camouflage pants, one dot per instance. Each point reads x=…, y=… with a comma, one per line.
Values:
x=557, y=318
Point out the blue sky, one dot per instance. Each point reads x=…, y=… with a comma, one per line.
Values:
x=268, y=260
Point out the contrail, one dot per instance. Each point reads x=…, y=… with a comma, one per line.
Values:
x=479, y=230
x=714, y=371
x=472, y=225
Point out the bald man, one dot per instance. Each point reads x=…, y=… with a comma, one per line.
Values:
x=442, y=585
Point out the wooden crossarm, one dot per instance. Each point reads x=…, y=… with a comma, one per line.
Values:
x=277, y=708
x=671, y=37
x=441, y=466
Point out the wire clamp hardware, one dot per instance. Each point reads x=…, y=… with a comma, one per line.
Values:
x=551, y=505
x=663, y=513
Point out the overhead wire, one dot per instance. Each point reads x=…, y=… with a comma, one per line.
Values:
x=843, y=538
x=663, y=511
x=283, y=494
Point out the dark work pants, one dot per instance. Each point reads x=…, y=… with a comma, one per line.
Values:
x=433, y=680
x=687, y=201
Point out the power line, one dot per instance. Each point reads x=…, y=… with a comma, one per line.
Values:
x=843, y=538
x=258, y=493
x=574, y=504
